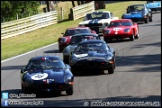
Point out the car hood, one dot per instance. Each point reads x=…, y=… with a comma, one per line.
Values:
x=120, y=28
x=134, y=13
x=92, y=54
x=39, y=75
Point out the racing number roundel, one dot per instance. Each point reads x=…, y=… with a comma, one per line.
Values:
x=39, y=76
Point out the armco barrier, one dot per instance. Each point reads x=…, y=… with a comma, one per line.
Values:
x=14, y=28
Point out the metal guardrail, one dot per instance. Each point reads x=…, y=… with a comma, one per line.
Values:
x=17, y=27
x=81, y=10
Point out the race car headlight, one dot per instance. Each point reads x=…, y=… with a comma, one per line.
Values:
x=68, y=80
x=127, y=30
x=110, y=60
x=107, y=31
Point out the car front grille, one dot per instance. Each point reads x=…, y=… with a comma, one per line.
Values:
x=47, y=86
x=89, y=64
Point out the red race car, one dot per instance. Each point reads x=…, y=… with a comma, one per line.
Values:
x=65, y=40
x=120, y=29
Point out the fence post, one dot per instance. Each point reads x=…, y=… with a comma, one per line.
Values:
x=62, y=14
x=17, y=17
x=71, y=14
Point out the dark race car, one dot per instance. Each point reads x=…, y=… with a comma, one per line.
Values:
x=120, y=29
x=75, y=39
x=138, y=13
x=47, y=74
x=92, y=55
x=64, y=41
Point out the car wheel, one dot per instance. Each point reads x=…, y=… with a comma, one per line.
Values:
x=146, y=20
x=66, y=61
x=132, y=36
x=106, y=40
x=111, y=70
x=114, y=64
x=25, y=89
x=60, y=50
x=69, y=91
x=137, y=36
x=110, y=40
x=150, y=18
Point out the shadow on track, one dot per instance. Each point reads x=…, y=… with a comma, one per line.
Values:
x=12, y=67
x=52, y=51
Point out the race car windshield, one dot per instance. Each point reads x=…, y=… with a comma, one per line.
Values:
x=135, y=8
x=76, y=31
x=45, y=64
x=77, y=39
x=97, y=16
x=84, y=48
x=121, y=23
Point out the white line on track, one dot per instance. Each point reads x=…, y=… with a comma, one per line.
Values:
x=28, y=52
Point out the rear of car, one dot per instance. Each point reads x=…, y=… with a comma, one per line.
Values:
x=76, y=39
x=98, y=20
x=65, y=40
x=138, y=13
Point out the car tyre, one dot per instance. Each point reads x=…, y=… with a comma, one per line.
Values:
x=69, y=91
x=132, y=36
x=66, y=61
x=111, y=70
x=73, y=71
x=106, y=40
x=150, y=18
x=114, y=64
x=137, y=36
x=25, y=89
x=146, y=20
x=60, y=50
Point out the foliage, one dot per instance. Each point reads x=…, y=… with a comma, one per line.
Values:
x=10, y=9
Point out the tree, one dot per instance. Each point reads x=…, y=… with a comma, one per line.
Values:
x=10, y=9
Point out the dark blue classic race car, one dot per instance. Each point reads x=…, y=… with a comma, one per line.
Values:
x=92, y=55
x=47, y=73
x=138, y=13
x=75, y=39
x=154, y=5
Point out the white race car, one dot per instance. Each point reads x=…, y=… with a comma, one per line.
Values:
x=98, y=20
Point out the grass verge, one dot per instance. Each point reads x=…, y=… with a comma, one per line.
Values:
x=29, y=41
